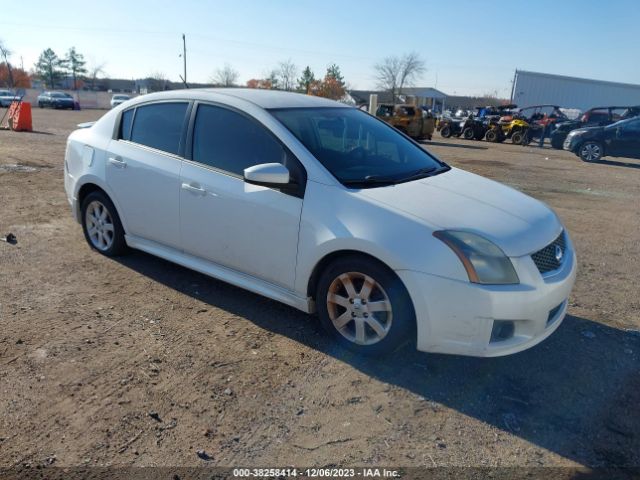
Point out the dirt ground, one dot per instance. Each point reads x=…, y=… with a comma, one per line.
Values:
x=136, y=361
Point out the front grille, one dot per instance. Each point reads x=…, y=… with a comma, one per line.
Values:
x=546, y=260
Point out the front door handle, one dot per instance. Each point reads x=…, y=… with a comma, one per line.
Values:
x=193, y=189
x=117, y=162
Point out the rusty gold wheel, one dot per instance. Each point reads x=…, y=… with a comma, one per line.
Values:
x=359, y=308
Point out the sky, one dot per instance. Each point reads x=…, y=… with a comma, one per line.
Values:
x=469, y=47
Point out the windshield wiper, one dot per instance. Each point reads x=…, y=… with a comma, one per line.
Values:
x=371, y=180
x=420, y=173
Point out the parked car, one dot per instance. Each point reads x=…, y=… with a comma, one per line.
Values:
x=118, y=99
x=56, y=100
x=6, y=97
x=325, y=208
x=409, y=119
x=595, y=117
x=620, y=139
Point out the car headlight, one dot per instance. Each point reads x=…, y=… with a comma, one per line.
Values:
x=484, y=262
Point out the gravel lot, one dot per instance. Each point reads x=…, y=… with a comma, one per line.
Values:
x=136, y=361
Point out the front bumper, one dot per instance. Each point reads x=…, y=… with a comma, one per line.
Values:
x=459, y=317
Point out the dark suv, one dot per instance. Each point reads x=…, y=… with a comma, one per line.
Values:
x=620, y=139
x=596, y=117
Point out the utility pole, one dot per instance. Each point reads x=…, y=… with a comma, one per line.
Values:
x=184, y=59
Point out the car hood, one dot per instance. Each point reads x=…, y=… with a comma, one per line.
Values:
x=588, y=131
x=459, y=200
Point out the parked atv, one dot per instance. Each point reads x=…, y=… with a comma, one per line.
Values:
x=451, y=127
x=409, y=119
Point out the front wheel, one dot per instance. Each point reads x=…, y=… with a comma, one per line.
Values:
x=446, y=131
x=590, y=151
x=364, y=306
x=101, y=225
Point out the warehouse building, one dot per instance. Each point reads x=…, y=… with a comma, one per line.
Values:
x=532, y=88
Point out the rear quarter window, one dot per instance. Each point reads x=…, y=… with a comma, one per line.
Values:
x=125, y=125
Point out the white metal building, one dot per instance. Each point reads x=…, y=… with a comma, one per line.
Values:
x=532, y=88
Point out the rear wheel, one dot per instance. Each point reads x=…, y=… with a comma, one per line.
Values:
x=364, y=306
x=468, y=134
x=517, y=137
x=590, y=151
x=491, y=136
x=101, y=225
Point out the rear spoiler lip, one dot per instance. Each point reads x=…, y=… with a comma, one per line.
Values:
x=86, y=125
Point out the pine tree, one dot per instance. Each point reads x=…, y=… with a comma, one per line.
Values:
x=305, y=81
x=75, y=63
x=49, y=67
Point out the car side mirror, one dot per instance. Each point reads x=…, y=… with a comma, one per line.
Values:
x=267, y=174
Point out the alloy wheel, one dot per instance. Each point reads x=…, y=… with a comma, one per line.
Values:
x=590, y=152
x=100, y=228
x=359, y=308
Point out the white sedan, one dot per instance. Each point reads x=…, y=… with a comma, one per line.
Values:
x=325, y=208
x=118, y=99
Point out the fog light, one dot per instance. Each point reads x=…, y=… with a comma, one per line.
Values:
x=502, y=330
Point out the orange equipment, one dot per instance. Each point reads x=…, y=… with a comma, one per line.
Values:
x=19, y=117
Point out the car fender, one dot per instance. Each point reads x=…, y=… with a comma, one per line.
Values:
x=336, y=219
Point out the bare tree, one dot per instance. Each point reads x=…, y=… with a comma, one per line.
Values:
x=6, y=53
x=157, y=82
x=226, y=77
x=286, y=73
x=94, y=71
x=394, y=72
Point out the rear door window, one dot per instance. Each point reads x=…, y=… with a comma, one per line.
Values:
x=159, y=126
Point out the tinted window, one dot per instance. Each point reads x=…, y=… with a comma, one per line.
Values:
x=232, y=142
x=125, y=125
x=354, y=146
x=159, y=126
x=633, y=126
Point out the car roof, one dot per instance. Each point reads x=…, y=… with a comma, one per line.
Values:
x=266, y=99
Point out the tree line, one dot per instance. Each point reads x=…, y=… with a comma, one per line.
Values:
x=392, y=74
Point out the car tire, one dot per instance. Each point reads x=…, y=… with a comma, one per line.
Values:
x=517, y=138
x=468, y=134
x=347, y=290
x=591, y=151
x=101, y=225
x=446, y=131
x=40, y=105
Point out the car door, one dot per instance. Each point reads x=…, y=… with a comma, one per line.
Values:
x=626, y=141
x=248, y=228
x=143, y=170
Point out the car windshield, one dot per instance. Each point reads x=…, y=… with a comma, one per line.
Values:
x=356, y=148
x=120, y=97
x=57, y=95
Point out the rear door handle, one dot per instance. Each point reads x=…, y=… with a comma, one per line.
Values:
x=193, y=189
x=117, y=162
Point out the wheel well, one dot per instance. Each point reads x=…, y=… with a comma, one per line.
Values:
x=86, y=189
x=331, y=257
